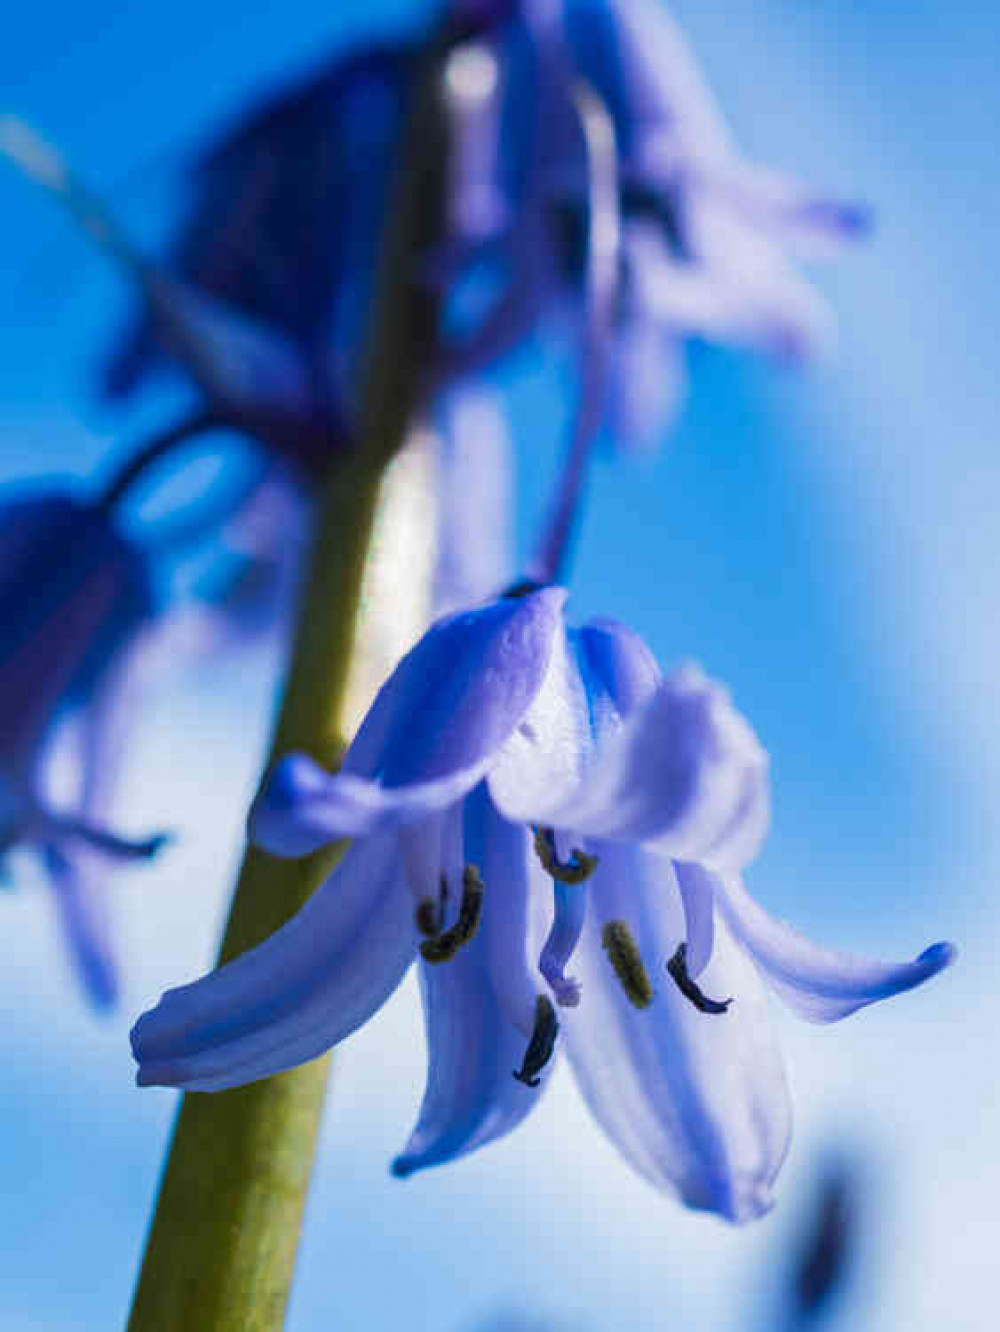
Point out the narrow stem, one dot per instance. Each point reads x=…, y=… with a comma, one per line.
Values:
x=153, y=450
x=221, y=1250
x=600, y=294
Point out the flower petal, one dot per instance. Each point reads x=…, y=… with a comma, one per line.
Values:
x=456, y=697
x=311, y=984
x=430, y=735
x=478, y=1009
x=684, y=774
x=812, y=225
x=819, y=984
x=595, y=676
x=696, y=1102
x=698, y=899
x=735, y=286
x=647, y=382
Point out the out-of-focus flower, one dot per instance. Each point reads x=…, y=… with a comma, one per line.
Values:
x=74, y=597
x=706, y=233
x=264, y=294
x=282, y=222
x=509, y=764
x=829, y=1243
x=252, y=375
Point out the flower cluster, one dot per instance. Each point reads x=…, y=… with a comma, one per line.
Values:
x=75, y=601
x=525, y=799
x=551, y=829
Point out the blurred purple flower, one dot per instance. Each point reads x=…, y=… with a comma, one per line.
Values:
x=499, y=732
x=283, y=222
x=74, y=597
x=828, y=1247
x=705, y=234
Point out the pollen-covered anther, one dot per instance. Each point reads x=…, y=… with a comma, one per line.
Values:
x=677, y=966
x=443, y=946
x=431, y=911
x=542, y=1043
x=577, y=869
x=626, y=960
x=428, y=917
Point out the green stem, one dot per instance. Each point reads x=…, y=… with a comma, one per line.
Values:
x=221, y=1249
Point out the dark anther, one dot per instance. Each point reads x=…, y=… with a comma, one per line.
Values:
x=678, y=968
x=542, y=1043
x=577, y=869
x=442, y=947
x=429, y=917
x=522, y=588
x=624, y=956
x=431, y=912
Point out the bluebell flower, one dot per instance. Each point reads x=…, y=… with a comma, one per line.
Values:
x=707, y=236
x=75, y=596
x=283, y=216
x=251, y=374
x=555, y=831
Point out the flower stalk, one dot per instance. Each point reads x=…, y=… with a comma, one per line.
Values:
x=221, y=1248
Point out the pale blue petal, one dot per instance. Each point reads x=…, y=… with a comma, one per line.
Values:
x=303, y=807
x=544, y=761
x=456, y=697
x=311, y=984
x=697, y=890
x=684, y=774
x=812, y=225
x=696, y=1102
x=819, y=984
x=620, y=672
x=430, y=735
x=735, y=286
x=474, y=1046
x=596, y=675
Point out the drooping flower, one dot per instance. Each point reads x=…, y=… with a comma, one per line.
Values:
x=75, y=595
x=282, y=221
x=536, y=801
x=706, y=234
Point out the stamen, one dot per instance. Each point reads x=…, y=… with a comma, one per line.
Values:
x=624, y=956
x=442, y=947
x=542, y=1043
x=677, y=966
x=570, y=910
x=577, y=869
x=431, y=911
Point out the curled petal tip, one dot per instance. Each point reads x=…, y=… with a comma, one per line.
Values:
x=938, y=956
x=402, y=1167
x=102, y=992
x=155, y=844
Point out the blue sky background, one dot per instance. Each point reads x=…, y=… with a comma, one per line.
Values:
x=824, y=541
